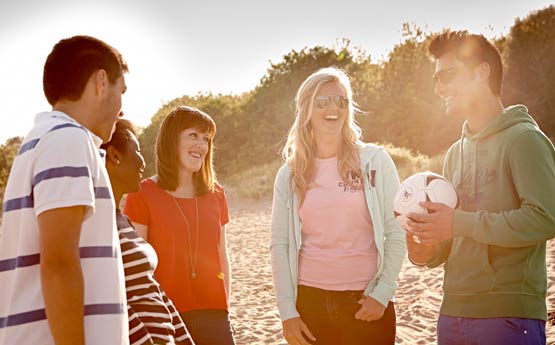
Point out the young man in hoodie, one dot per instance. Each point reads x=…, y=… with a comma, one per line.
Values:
x=493, y=244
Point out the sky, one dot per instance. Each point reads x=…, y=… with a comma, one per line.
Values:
x=183, y=47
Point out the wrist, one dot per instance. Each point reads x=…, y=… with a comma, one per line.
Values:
x=417, y=262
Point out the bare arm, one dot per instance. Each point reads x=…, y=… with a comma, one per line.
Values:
x=142, y=230
x=224, y=261
x=419, y=254
x=61, y=275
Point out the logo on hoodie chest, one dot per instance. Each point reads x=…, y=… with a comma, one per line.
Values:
x=470, y=188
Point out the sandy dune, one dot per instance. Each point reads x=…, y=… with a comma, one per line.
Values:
x=255, y=317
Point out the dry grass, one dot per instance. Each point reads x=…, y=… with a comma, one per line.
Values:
x=258, y=181
x=253, y=183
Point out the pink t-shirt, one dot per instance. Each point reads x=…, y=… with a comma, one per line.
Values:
x=338, y=251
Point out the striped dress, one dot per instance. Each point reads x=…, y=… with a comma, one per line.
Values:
x=153, y=318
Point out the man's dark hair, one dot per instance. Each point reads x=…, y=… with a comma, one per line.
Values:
x=71, y=63
x=470, y=49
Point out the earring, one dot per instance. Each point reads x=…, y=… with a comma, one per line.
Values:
x=117, y=161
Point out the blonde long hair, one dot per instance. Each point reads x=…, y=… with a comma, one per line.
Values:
x=300, y=148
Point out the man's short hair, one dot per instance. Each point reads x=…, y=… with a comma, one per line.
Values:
x=470, y=49
x=71, y=63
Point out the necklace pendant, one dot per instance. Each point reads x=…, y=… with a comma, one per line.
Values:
x=193, y=275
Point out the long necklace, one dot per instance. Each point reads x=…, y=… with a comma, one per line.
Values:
x=193, y=261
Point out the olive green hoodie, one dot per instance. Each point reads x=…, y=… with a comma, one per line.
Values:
x=505, y=179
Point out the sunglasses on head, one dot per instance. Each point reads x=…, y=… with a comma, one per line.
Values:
x=323, y=102
x=446, y=76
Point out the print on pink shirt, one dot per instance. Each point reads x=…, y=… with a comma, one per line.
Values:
x=355, y=183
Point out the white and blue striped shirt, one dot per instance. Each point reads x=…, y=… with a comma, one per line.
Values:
x=60, y=165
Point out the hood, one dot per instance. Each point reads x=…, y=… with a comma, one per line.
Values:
x=509, y=117
x=367, y=152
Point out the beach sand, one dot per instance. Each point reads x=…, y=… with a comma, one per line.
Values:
x=253, y=310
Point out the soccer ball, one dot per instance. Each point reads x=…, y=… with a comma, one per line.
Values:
x=424, y=186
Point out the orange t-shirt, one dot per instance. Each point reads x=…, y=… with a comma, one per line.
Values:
x=167, y=233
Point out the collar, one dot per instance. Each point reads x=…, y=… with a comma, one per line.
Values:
x=96, y=139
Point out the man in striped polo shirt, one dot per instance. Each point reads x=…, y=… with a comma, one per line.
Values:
x=61, y=273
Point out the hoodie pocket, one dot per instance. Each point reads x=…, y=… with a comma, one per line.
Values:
x=467, y=269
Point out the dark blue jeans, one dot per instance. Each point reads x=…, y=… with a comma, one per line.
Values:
x=491, y=331
x=330, y=316
x=209, y=326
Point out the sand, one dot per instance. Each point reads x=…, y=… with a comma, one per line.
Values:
x=253, y=310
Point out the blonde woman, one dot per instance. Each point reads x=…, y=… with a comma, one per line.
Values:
x=336, y=247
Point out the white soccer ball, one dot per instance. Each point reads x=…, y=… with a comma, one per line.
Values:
x=424, y=186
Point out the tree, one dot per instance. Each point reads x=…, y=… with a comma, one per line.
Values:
x=226, y=111
x=8, y=151
x=407, y=110
x=529, y=58
x=271, y=110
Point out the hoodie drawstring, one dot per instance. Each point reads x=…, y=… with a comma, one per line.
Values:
x=459, y=183
x=474, y=168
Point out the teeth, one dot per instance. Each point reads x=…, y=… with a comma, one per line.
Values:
x=195, y=154
x=331, y=117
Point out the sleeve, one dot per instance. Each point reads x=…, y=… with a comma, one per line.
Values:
x=224, y=211
x=136, y=207
x=279, y=247
x=182, y=335
x=64, y=169
x=138, y=333
x=395, y=247
x=532, y=167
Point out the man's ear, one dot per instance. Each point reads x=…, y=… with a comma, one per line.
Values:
x=101, y=81
x=482, y=71
x=113, y=155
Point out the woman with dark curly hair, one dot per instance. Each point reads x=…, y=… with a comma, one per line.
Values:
x=153, y=318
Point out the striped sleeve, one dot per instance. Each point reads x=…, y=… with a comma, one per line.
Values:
x=63, y=175
x=181, y=333
x=138, y=335
x=150, y=311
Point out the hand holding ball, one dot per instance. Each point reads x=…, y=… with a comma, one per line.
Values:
x=424, y=186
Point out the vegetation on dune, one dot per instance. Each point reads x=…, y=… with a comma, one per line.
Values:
x=395, y=95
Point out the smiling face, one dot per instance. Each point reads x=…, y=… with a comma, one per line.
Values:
x=458, y=86
x=192, y=149
x=329, y=111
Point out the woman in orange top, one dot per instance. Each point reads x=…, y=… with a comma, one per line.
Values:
x=182, y=212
